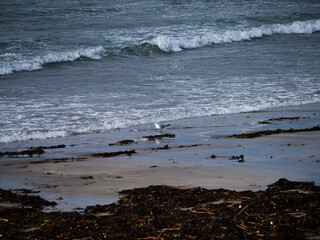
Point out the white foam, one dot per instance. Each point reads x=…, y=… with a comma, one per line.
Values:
x=9, y=55
x=22, y=136
x=106, y=122
x=36, y=63
x=168, y=43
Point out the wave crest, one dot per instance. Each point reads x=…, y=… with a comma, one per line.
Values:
x=165, y=42
x=175, y=44
x=20, y=63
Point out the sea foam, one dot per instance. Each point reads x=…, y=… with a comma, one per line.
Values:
x=19, y=63
x=168, y=43
x=23, y=136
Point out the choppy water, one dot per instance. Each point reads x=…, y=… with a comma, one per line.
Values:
x=69, y=67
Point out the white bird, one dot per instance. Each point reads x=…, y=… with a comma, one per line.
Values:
x=161, y=126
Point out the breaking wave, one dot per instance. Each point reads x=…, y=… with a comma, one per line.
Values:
x=174, y=44
x=166, y=41
x=19, y=63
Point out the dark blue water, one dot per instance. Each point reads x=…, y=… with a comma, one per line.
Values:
x=69, y=67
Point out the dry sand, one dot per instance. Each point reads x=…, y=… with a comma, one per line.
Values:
x=78, y=179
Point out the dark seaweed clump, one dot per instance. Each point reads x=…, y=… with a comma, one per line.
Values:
x=113, y=154
x=285, y=210
x=160, y=136
x=282, y=119
x=122, y=142
x=7, y=196
x=31, y=151
x=166, y=147
x=271, y=132
x=51, y=147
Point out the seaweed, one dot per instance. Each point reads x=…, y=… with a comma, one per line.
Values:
x=31, y=151
x=271, y=132
x=159, y=137
x=285, y=210
x=113, y=154
x=281, y=119
x=122, y=142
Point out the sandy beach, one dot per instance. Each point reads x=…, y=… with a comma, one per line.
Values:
x=159, y=120
x=200, y=152
x=175, y=183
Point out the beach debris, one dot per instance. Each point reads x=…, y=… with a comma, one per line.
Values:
x=240, y=158
x=159, y=137
x=87, y=177
x=31, y=151
x=270, y=132
x=288, y=118
x=50, y=172
x=50, y=147
x=114, y=154
x=190, y=146
x=47, y=185
x=169, y=212
x=165, y=147
x=25, y=191
x=297, y=214
x=282, y=119
x=264, y=122
x=122, y=142
x=24, y=199
x=58, y=160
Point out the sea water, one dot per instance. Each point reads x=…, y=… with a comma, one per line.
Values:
x=71, y=67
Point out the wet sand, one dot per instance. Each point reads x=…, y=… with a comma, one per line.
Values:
x=201, y=153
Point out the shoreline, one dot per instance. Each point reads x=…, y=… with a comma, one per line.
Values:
x=193, y=122
x=80, y=179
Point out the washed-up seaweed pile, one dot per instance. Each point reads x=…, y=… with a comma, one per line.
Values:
x=285, y=210
x=271, y=132
x=31, y=151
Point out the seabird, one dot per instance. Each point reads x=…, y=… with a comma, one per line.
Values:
x=161, y=126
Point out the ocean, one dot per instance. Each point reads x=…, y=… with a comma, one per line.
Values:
x=83, y=67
